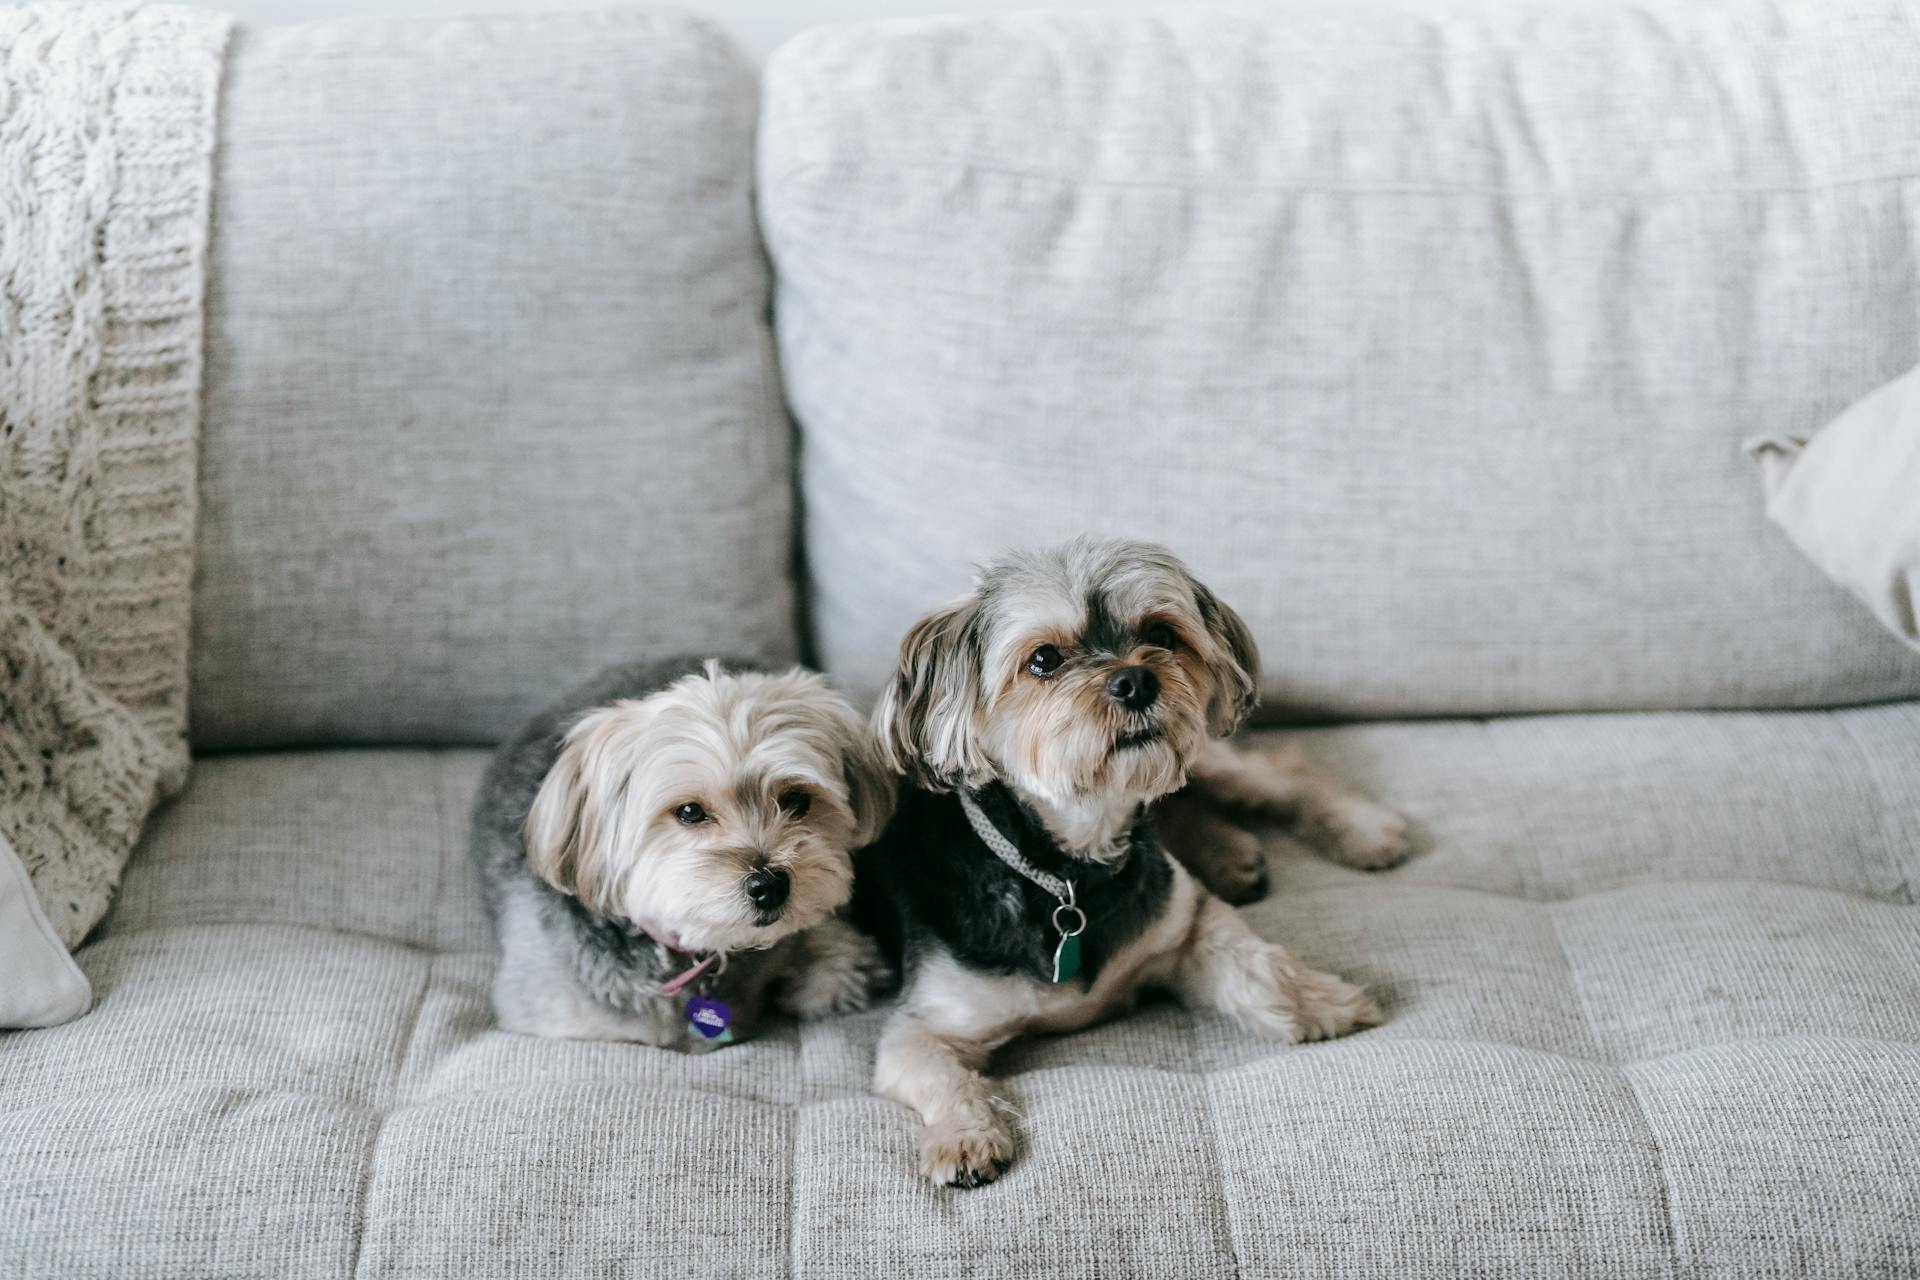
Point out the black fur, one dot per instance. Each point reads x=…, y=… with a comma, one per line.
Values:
x=930, y=880
x=1106, y=632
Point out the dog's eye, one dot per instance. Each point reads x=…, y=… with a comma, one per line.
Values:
x=795, y=803
x=690, y=815
x=1159, y=635
x=1044, y=661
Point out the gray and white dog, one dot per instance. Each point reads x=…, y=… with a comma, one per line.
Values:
x=1042, y=721
x=669, y=845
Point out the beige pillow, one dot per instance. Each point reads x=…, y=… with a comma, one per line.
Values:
x=1850, y=499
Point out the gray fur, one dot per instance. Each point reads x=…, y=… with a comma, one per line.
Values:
x=568, y=971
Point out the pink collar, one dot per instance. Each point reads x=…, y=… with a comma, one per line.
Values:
x=674, y=985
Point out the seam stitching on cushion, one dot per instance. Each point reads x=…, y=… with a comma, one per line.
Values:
x=397, y=1082
x=1646, y=1121
x=517, y=1088
x=1660, y=1168
x=1530, y=892
x=337, y=931
x=1213, y=1132
x=967, y=164
x=1657, y=882
x=1901, y=885
x=386, y=1110
x=793, y=1169
x=444, y=851
x=366, y=1191
x=121, y=933
x=1466, y=1042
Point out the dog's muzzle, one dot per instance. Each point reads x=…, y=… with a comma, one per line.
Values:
x=1135, y=688
x=767, y=888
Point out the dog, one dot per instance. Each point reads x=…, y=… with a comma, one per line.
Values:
x=670, y=845
x=1022, y=881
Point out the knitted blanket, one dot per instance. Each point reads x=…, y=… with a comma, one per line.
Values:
x=106, y=141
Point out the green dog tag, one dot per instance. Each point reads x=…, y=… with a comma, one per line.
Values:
x=1066, y=957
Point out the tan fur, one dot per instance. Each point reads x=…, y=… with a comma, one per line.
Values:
x=926, y=720
x=1279, y=784
x=933, y=1054
x=602, y=826
x=1227, y=858
x=963, y=709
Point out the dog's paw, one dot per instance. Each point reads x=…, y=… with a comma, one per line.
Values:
x=1240, y=882
x=965, y=1151
x=1284, y=1000
x=844, y=968
x=1235, y=867
x=1370, y=836
x=1325, y=1006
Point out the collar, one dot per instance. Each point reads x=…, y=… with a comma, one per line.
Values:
x=1009, y=853
x=1068, y=920
x=670, y=947
x=1016, y=822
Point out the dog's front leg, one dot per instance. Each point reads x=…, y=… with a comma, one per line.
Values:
x=965, y=1140
x=1225, y=965
x=834, y=969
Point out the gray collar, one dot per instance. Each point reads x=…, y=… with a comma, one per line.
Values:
x=1005, y=850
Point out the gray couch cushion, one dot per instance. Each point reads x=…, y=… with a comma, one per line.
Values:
x=490, y=391
x=1653, y=1003
x=1429, y=335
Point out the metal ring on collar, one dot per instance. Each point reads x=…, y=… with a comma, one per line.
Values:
x=1079, y=915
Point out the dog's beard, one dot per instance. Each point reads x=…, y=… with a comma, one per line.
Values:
x=693, y=896
x=1089, y=763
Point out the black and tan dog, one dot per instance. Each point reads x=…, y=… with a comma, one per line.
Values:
x=1039, y=720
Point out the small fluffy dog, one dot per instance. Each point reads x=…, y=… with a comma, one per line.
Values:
x=670, y=844
x=1022, y=879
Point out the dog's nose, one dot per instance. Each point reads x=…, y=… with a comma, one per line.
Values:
x=1134, y=688
x=767, y=888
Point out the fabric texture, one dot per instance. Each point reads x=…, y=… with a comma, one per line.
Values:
x=491, y=398
x=1428, y=335
x=106, y=137
x=1653, y=1007
x=1850, y=499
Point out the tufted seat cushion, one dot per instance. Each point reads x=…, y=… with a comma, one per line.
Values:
x=1653, y=994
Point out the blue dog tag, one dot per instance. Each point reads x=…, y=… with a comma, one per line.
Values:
x=710, y=1018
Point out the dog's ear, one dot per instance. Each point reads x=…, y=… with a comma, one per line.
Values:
x=927, y=722
x=565, y=829
x=1234, y=664
x=871, y=786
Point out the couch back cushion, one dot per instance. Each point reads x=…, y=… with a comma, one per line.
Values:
x=490, y=394
x=1429, y=339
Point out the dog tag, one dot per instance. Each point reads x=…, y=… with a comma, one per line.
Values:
x=1066, y=957
x=710, y=1018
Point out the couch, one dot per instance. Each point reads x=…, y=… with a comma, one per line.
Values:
x=1428, y=338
